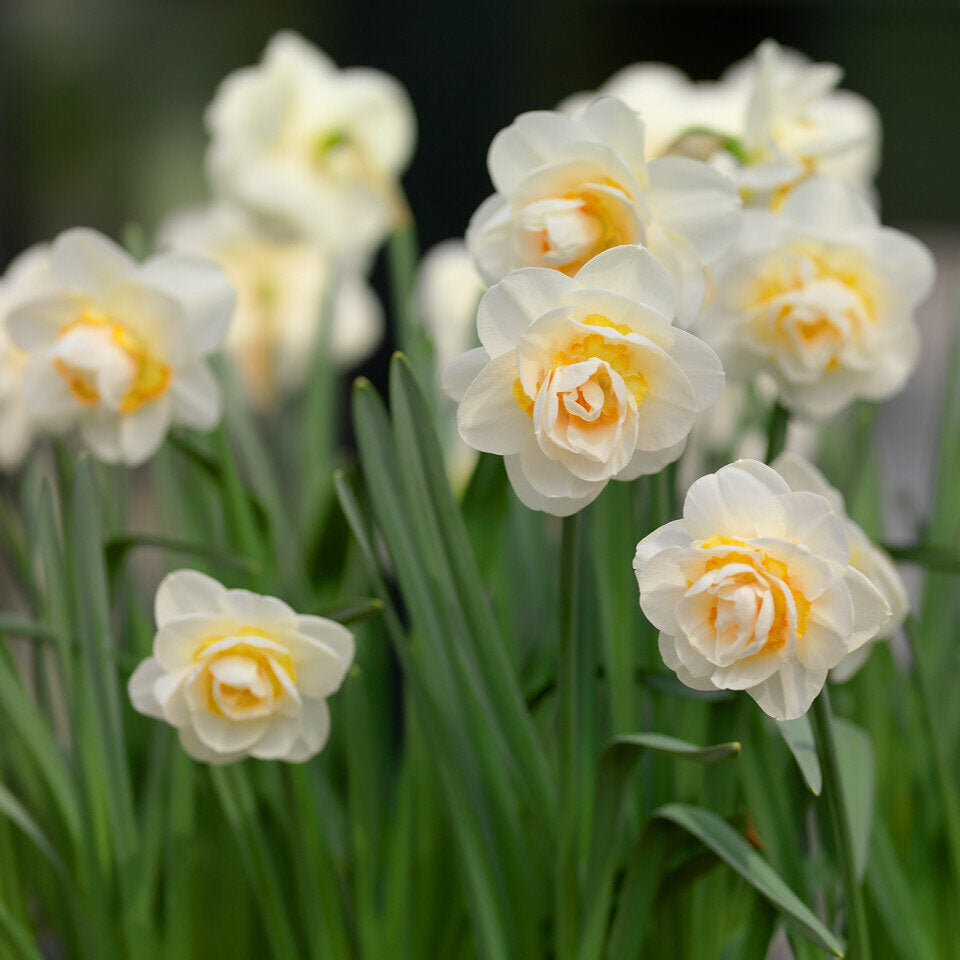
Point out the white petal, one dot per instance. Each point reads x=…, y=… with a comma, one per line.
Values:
x=662, y=585
x=634, y=272
x=225, y=736
x=907, y=262
x=195, y=394
x=827, y=638
x=618, y=125
x=811, y=521
x=314, y=731
x=694, y=200
x=257, y=610
x=187, y=591
x=731, y=502
x=459, y=373
x=35, y=323
x=142, y=432
x=140, y=688
x=682, y=262
x=535, y=500
x=672, y=534
x=800, y=474
x=647, y=462
x=529, y=142
x=701, y=366
x=790, y=691
x=85, y=260
x=828, y=206
x=510, y=306
x=179, y=639
x=870, y=610
x=200, y=751
x=489, y=417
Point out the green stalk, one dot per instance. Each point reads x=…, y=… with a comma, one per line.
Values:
x=858, y=940
x=777, y=431
x=570, y=740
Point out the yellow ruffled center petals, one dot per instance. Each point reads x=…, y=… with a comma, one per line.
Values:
x=593, y=346
x=811, y=302
x=150, y=379
x=771, y=577
x=244, y=680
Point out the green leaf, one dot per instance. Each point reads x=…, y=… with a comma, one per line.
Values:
x=855, y=753
x=734, y=850
x=117, y=548
x=17, y=936
x=941, y=559
x=617, y=763
x=798, y=736
x=19, y=626
x=352, y=609
x=14, y=811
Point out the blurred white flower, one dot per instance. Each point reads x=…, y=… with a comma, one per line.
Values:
x=752, y=589
x=281, y=290
x=118, y=348
x=582, y=379
x=239, y=674
x=821, y=297
x=865, y=556
x=783, y=111
x=313, y=150
x=569, y=188
x=20, y=281
x=447, y=293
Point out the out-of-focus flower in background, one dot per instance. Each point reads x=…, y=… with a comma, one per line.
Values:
x=239, y=674
x=282, y=290
x=21, y=280
x=821, y=297
x=582, y=379
x=569, y=188
x=119, y=348
x=865, y=556
x=314, y=151
x=753, y=589
x=770, y=121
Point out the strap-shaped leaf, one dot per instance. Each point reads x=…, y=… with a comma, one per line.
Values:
x=798, y=736
x=855, y=752
x=733, y=849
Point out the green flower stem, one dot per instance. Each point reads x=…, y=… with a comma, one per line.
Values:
x=777, y=431
x=570, y=724
x=858, y=941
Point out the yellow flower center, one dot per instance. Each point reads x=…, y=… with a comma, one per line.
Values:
x=151, y=376
x=588, y=347
x=761, y=562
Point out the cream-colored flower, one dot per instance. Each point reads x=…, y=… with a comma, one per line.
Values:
x=582, y=379
x=20, y=281
x=119, y=348
x=783, y=112
x=447, y=293
x=313, y=150
x=873, y=562
x=569, y=188
x=822, y=298
x=239, y=674
x=281, y=292
x=753, y=590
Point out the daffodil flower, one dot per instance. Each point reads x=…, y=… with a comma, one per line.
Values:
x=753, y=589
x=822, y=298
x=119, y=348
x=239, y=674
x=582, y=379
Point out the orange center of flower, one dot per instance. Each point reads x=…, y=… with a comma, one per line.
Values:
x=587, y=347
x=151, y=377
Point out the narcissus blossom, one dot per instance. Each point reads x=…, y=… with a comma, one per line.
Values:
x=753, y=589
x=21, y=280
x=119, y=348
x=569, y=188
x=822, y=298
x=783, y=112
x=872, y=561
x=239, y=674
x=281, y=292
x=582, y=379
x=313, y=150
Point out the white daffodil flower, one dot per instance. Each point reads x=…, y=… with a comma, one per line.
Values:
x=281, y=290
x=873, y=562
x=822, y=298
x=447, y=293
x=239, y=674
x=771, y=121
x=119, y=348
x=753, y=589
x=21, y=280
x=313, y=150
x=583, y=379
x=569, y=188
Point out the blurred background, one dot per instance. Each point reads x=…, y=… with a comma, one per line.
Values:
x=101, y=110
